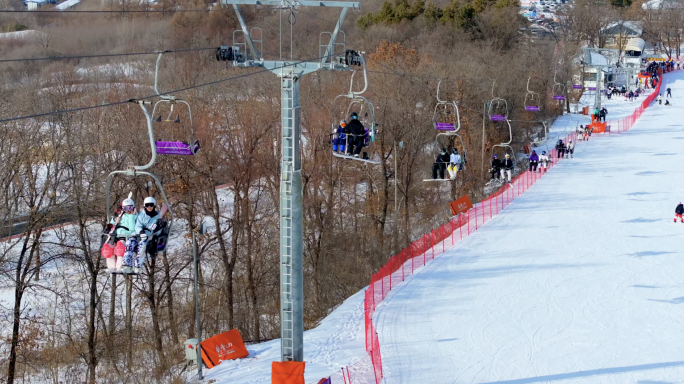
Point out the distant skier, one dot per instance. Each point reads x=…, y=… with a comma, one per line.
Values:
x=660, y=99
x=580, y=132
x=358, y=132
x=571, y=149
x=678, y=212
x=507, y=168
x=669, y=92
x=604, y=112
x=667, y=102
x=534, y=161
x=339, y=140
x=440, y=164
x=543, y=161
x=560, y=149
x=454, y=164
x=496, y=167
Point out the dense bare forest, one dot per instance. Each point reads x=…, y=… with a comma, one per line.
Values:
x=65, y=319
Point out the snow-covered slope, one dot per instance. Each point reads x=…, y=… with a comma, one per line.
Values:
x=579, y=280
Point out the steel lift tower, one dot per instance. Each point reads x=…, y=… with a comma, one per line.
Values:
x=291, y=222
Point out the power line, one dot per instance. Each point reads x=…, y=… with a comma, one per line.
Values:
x=72, y=110
x=106, y=55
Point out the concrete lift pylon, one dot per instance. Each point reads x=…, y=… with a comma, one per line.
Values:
x=291, y=222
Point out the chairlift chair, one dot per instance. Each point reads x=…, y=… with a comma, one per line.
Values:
x=181, y=148
x=498, y=107
x=447, y=121
x=160, y=236
x=346, y=104
x=558, y=89
x=532, y=99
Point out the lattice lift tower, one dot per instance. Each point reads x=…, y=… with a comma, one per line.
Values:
x=291, y=223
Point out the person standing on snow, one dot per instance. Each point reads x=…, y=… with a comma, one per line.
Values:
x=571, y=149
x=440, y=164
x=454, y=164
x=678, y=212
x=604, y=111
x=534, y=161
x=358, y=132
x=669, y=92
x=660, y=99
x=507, y=168
x=580, y=132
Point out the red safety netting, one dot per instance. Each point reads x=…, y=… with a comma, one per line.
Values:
x=416, y=255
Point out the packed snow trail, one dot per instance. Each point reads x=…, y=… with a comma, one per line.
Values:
x=578, y=280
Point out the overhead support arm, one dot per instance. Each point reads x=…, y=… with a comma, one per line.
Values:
x=253, y=53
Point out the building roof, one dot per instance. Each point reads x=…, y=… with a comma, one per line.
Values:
x=636, y=45
x=662, y=4
x=630, y=28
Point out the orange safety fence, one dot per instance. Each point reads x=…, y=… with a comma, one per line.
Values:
x=439, y=240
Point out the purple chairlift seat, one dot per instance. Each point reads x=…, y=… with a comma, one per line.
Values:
x=176, y=148
x=592, y=88
x=577, y=86
x=497, y=118
x=444, y=127
x=532, y=108
x=558, y=97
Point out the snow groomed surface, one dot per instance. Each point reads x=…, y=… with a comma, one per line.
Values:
x=578, y=280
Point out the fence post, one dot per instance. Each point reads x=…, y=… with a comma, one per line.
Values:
x=390, y=271
x=433, y=244
x=476, y=218
x=490, y=208
x=469, y=222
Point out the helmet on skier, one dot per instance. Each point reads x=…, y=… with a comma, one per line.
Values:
x=507, y=155
x=343, y=123
x=534, y=152
x=543, y=152
x=354, y=115
x=495, y=157
x=150, y=201
x=128, y=204
x=444, y=151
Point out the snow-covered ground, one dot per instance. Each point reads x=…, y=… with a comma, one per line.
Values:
x=425, y=318
x=578, y=280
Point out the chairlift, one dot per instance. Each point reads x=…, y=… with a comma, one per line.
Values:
x=532, y=99
x=181, y=148
x=498, y=107
x=160, y=236
x=507, y=149
x=353, y=102
x=558, y=89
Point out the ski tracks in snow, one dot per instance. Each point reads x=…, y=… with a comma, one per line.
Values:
x=578, y=280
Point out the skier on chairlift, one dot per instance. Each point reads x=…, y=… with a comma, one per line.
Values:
x=440, y=164
x=543, y=162
x=507, y=169
x=123, y=225
x=496, y=167
x=339, y=138
x=570, y=149
x=358, y=132
x=136, y=246
x=560, y=149
x=455, y=164
x=534, y=161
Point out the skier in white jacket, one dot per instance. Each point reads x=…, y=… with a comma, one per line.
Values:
x=571, y=148
x=543, y=161
x=454, y=164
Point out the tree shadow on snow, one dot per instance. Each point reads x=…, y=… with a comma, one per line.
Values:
x=676, y=300
x=593, y=372
x=648, y=253
x=640, y=220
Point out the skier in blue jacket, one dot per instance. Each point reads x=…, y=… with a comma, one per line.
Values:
x=136, y=247
x=339, y=138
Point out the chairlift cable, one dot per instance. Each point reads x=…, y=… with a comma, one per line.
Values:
x=107, y=55
x=7, y=120
x=105, y=11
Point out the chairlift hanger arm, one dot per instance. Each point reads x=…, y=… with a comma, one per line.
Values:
x=329, y=50
x=253, y=54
